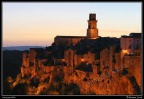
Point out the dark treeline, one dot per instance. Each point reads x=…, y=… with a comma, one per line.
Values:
x=11, y=62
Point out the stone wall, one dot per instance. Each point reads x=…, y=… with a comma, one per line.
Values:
x=25, y=61
x=73, y=59
x=67, y=40
x=32, y=56
x=134, y=65
x=118, y=60
x=69, y=57
x=104, y=58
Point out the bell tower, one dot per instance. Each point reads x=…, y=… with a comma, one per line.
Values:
x=92, y=31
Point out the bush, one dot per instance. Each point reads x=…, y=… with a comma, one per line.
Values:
x=85, y=67
x=124, y=71
x=20, y=89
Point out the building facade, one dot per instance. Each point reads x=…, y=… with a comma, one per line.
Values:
x=130, y=44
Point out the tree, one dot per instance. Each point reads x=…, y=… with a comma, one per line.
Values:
x=20, y=89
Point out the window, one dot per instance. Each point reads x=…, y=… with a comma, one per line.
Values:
x=137, y=47
x=103, y=63
x=69, y=53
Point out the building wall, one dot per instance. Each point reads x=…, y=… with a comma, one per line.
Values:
x=96, y=67
x=104, y=58
x=25, y=61
x=32, y=55
x=90, y=57
x=112, y=58
x=60, y=40
x=129, y=44
x=118, y=61
x=59, y=61
x=134, y=65
x=69, y=57
x=72, y=59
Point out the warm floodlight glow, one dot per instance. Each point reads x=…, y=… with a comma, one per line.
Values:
x=63, y=60
x=82, y=60
x=125, y=51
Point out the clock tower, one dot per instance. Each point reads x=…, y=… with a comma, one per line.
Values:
x=92, y=31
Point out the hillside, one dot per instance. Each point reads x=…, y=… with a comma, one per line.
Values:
x=21, y=48
x=12, y=61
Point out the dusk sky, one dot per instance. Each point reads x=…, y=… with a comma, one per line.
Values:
x=37, y=23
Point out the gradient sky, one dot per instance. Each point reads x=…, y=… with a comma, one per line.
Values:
x=37, y=23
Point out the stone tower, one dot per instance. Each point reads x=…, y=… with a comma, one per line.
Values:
x=92, y=31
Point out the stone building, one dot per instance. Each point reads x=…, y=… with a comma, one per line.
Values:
x=30, y=58
x=68, y=40
x=130, y=44
x=72, y=58
x=110, y=59
x=92, y=33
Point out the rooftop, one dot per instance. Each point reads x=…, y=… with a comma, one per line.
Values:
x=135, y=34
x=71, y=36
x=132, y=35
x=37, y=49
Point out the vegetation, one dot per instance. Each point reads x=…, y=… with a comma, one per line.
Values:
x=58, y=87
x=12, y=60
x=34, y=82
x=15, y=87
x=20, y=89
x=124, y=71
x=7, y=89
x=85, y=67
x=135, y=85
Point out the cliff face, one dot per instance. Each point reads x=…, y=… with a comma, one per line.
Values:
x=123, y=81
x=118, y=83
x=109, y=75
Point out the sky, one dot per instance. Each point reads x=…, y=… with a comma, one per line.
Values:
x=37, y=23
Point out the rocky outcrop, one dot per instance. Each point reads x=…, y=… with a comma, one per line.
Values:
x=108, y=75
x=118, y=83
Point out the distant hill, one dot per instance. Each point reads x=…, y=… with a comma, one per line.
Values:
x=20, y=48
